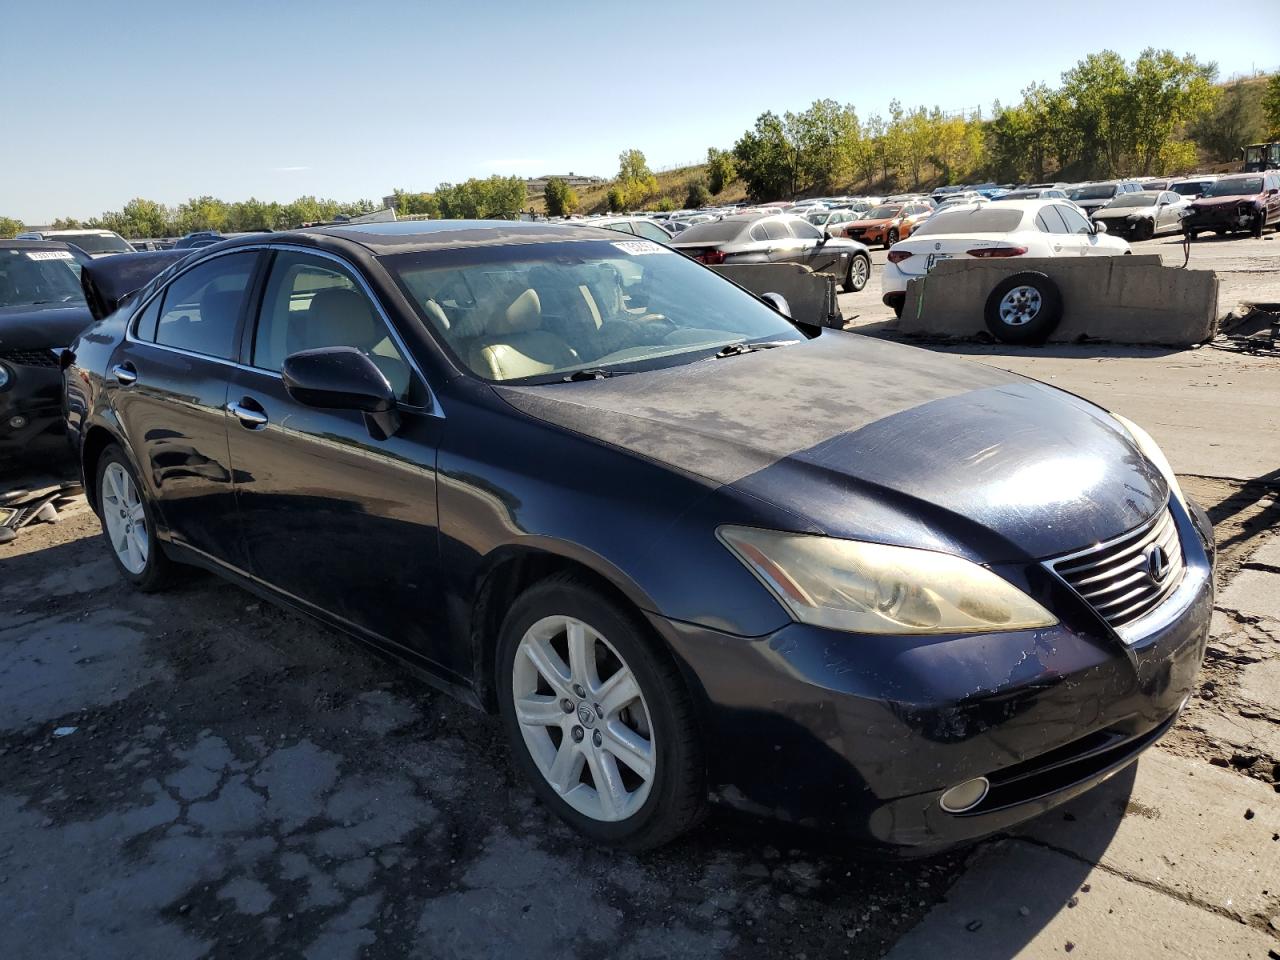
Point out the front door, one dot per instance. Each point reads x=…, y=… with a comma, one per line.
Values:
x=171, y=396
x=333, y=516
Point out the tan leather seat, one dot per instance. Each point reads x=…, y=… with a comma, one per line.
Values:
x=344, y=318
x=515, y=345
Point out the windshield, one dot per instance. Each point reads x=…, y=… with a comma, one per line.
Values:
x=970, y=221
x=96, y=242
x=1192, y=189
x=1098, y=192
x=1236, y=186
x=541, y=311
x=1132, y=200
x=38, y=276
x=886, y=212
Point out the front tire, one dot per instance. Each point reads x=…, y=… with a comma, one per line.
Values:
x=858, y=274
x=1143, y=230
x=599, y=719
x=891, y=238
x=128, y=523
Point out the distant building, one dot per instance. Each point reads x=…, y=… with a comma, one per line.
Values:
x=537, y=186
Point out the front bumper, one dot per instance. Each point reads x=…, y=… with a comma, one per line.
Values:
x=29, y=406
x=863, y=734
x=1223, y=218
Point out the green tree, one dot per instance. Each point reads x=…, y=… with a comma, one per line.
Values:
x=766, y=159
x=559, y=197
x=1271, y=105
x=697, y=195
x=720, y=170
x=67, y=223
x=1236, y=120
x=9, y=227
x=617, y=199
x=635, y=179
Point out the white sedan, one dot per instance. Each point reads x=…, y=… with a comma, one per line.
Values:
x=1011, y=228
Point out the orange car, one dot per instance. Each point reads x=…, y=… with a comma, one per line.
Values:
x=888, y=223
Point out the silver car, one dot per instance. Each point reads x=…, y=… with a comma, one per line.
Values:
x=777, y=239
x=1142, y=215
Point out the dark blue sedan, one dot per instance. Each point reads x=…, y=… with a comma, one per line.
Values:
x=685, y=547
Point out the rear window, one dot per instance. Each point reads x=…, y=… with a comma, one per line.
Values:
x=716, y=232
x=971, y=221
x=96, y=242
x=1100, y=192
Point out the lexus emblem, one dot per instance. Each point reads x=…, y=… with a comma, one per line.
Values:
x=937, y=246
x=1157, y=563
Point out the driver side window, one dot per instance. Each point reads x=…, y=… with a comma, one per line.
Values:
x=313, y=302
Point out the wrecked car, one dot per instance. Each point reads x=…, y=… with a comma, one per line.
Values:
x=1243, y=204
x=687, y=549
x=41, y=311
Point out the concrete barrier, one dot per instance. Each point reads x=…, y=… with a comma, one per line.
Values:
x=1126, y=299
x=811, y=296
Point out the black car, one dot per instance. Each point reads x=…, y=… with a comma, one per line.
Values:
x=685, y=547
x=42, y=310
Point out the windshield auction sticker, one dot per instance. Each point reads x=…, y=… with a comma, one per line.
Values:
x=49, y=255
x=640, y=248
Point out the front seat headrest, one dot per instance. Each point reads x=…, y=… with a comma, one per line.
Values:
x=522, y=315
x=341, y=318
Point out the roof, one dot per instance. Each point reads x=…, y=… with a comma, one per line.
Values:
x=404, y=235
x=97, y=231
x=33, y=244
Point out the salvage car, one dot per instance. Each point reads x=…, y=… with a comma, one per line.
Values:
x=1143, y=215
x=96, y=243
x=683, y=546
x=777, y=238
x=1241, y=204
x=1090, y=197
x=888, y=223
x=1009, y=228
x=41, y=311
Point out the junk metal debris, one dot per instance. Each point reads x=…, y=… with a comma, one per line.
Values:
x=18, y=508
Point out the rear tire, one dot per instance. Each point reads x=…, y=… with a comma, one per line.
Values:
x=595, y=739
x=128, y=523
x=1024, y=308
x=891, y=238
x=859, y=273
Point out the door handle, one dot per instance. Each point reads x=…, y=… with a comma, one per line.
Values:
x=125, y=374
x=249, y=418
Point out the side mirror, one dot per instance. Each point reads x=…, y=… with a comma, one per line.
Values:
x=342, y=378
x=1099, y=227
x=778, y=302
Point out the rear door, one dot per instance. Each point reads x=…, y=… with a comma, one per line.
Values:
x=1084, y=241
x=819, y=255
x=334, y=517
x=170, y=379
x=1062, y=241
x=784, y=246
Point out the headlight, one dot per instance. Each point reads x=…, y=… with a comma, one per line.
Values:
x=1151, y=450
x=874, y=588
x=5, y=376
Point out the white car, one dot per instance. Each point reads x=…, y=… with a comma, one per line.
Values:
x=1011, y=228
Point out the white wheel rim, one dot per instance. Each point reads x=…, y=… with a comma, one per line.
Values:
x=125, y=518
x=591, y=738
x=1020, y=306
x=859, y=272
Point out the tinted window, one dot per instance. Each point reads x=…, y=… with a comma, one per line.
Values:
x=971, y=220
x=776, y=230
x=718, y=231
x=1103, y=191
x=145, y=329
x=313, y=302
x=97, y=242
x=650, y=231
x=1045, y=226
x=202, y=306
x=757, y=232
x=1234, y=186
x=805, y=230
x=1052, y=216
x=1076, y=223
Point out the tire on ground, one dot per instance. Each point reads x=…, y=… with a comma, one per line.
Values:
x=1038, y=327
x=678, y=796
x=159, y=569
x=850, y=285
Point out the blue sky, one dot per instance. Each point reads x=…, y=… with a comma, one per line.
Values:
x=168, y=100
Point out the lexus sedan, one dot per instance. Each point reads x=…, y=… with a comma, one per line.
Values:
x=683, y=546
x=42, y=309
x=777, y=238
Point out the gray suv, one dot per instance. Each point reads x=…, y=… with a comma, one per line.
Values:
x=1092, y=197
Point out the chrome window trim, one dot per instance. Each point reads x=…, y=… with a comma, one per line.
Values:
x=433, y=406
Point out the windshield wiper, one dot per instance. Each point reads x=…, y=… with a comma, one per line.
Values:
x=591, y=373
x=741, y=347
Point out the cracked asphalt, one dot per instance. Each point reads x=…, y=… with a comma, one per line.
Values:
x=200, y=774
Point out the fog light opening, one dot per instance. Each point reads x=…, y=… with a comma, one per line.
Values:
x=965, y=796
x=17, y=422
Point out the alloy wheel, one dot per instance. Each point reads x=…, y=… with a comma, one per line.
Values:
x=584, y=718
x=125, y=518
x=1020, y=306
x=858, y=273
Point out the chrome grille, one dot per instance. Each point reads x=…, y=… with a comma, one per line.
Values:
x=30, y=358
x=1117, y=578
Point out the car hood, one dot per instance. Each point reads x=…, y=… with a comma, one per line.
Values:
x=41, y=326
x=1210, y=203
x=1121, y=213
x=866, y=439
x=873, y=223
